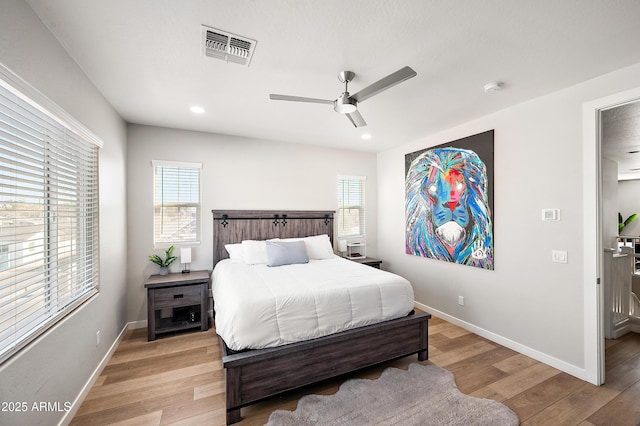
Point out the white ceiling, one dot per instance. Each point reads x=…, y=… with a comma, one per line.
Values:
x=145, y=57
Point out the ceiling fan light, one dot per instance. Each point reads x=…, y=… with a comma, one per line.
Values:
x=346, y=108
x=345, y=105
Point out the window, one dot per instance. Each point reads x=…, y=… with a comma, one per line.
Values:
x=176, y=203
x=4, y=257
x=48, y=214
x=351, y=206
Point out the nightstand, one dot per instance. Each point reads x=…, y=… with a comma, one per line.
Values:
x=177, y=302
x=369, y=261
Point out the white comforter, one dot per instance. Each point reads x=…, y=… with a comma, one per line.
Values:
x=259, y=307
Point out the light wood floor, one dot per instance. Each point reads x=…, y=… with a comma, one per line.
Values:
x=179, y=380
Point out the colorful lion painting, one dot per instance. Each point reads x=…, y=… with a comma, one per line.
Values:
x=447, y=210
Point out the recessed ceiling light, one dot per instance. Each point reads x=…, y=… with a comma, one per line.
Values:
x=366, y=136
x=494, y=86
x=197, y=110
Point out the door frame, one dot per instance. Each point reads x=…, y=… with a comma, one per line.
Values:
x=592, y=234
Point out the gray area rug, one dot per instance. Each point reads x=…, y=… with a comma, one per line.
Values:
x=423, y=395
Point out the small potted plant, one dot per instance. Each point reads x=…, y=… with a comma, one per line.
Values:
x=164, y=264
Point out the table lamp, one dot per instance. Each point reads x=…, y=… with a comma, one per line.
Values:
x=185, y=259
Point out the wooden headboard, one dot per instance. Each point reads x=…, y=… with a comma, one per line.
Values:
x=233, y=226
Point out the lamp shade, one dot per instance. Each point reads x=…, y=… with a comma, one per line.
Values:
x=185, y=255
x=342, y=245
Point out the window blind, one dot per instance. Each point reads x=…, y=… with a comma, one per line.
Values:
x=351, y=206
x=48, y=216
x=176, y=203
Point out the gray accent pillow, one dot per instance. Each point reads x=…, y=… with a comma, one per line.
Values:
x=286, y=253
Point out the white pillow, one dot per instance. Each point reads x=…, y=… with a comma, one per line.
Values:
x=288, y=240
x=319, y=247
x=254, y=252
x=235, y=251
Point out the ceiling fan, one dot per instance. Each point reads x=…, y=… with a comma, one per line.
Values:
x=348, y=104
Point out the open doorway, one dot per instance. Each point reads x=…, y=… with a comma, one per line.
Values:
x=593, y=241
x=620, y=220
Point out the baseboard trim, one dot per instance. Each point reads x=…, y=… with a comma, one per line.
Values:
x=69, y=415
x=133, y=325
x=578, y=372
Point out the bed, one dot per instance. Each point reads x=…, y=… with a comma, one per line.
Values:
x=255, y=374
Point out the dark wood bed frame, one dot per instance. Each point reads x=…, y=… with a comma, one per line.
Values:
x=257, y=374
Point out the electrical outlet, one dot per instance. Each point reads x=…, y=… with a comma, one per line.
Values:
x=550, y=214
x=97, y=338
x=558, y=256
x=461, y=300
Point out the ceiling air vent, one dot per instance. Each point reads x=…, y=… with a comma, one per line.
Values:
x=226, y=46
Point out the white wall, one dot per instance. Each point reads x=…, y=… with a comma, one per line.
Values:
x=237, y=173
x=609, y=173
x=57, y=365
x=629, y=203
x=527, y=302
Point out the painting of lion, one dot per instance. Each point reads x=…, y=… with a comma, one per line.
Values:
x=448, y=215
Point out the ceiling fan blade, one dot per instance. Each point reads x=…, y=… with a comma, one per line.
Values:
x=299, y=99
x=356, y=119
x=384, y=84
